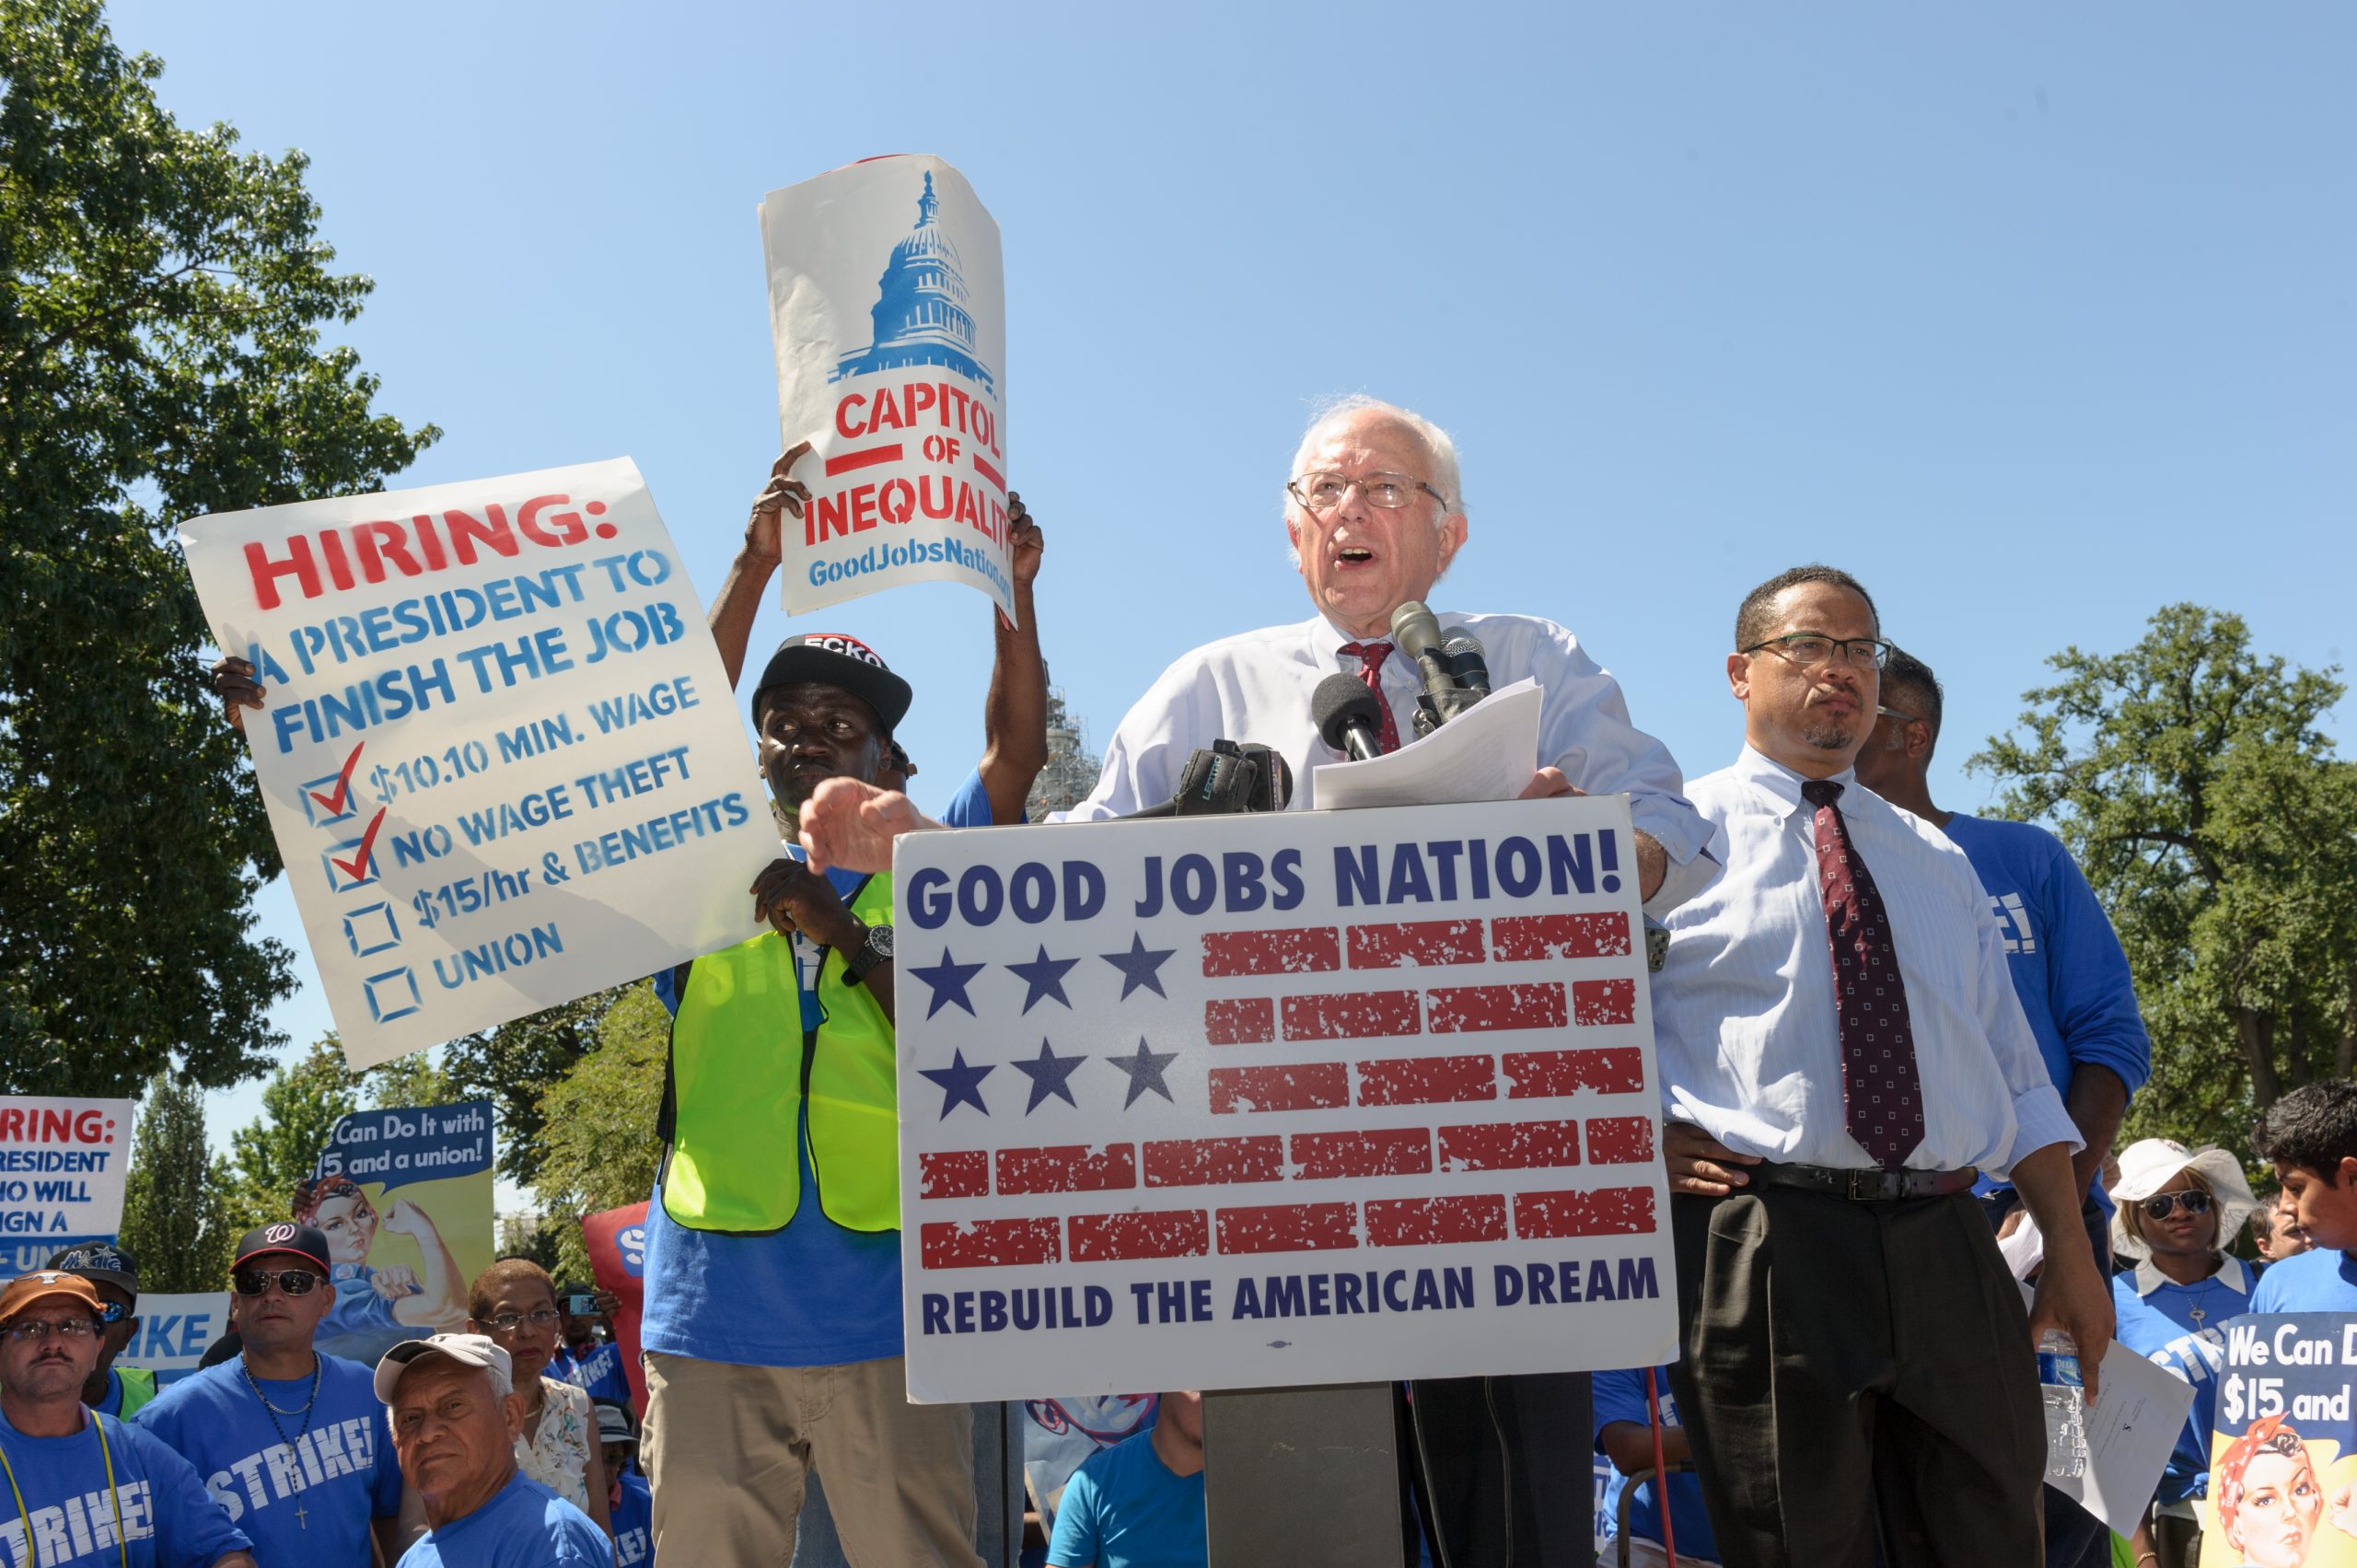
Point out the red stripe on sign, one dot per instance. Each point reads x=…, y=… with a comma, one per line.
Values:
x=1541, y=1075
x=1610, y=1211
x=1522, y=938
x=1457, y=1009
x=1434, y=1222
x=1426, y=1080
x=1316, y=1085
x=1619, y=1140
x=1201, y=1162
x=1361, y=1015
x=1288, y=1228
x=963, y=1174
x=1239, y=1020
x=1105, y=1239
x=844, y=462
x=1416, y=942
x=1067, y=1167
x=1509, y=1145
x=1229, y=953
x=1398, y=1151
x=1604, y=1000
x=988, y=1244
x=986, y=470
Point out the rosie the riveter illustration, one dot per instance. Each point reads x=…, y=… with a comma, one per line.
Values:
x=2271, y=1501
x=376, y=1308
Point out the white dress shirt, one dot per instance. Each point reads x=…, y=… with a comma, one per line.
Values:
x=1744, y=1021
x=1258, y=687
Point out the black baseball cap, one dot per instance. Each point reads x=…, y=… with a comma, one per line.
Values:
x=284, y=1235
x=834, y=658
x=102, y=1261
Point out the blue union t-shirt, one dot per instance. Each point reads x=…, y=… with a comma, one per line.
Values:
x=1621, y=1395
x=168, y=1520
x=1125, y=1509
x=2320, y=1281
x=633, y=1520
x=524, y=1526
x=2178, y=1326
x=812, y=1294
x=337, y=1466
x=598, y=1374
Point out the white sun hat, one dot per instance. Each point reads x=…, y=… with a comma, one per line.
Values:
x=2151, y=1164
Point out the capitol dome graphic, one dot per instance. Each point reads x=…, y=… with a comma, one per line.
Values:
x=920, y=316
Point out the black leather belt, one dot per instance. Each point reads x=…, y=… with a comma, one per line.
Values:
x=1864, y=1186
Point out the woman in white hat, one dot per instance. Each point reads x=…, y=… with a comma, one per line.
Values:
x=2178, y=1208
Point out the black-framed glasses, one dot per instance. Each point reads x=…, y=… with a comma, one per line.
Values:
x=33, y=1330
x=1815, y=647
x=1323, y=491
x=508, y=1322
x=290, y=1282
x=2160, y=1205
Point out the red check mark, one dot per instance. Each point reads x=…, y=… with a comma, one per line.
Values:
x=334, y=803
x=357, y=866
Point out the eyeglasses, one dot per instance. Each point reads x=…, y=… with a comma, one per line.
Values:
x=290, y=1282
x=1895, y=713
x=2161, y=1204
x=1324, y=491
x=1815, y=647
x=508, y=1322
x=34, y=1331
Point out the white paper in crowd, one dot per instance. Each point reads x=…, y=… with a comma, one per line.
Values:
x=2025, y=1250
x=1285, y=1098
x=1484, y=753
x=2129, y=1433
x=63, y=1165
x=888, y=309
x=175, y=1332
x=500, y=754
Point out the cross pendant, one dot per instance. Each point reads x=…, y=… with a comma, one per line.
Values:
x=302, y=1514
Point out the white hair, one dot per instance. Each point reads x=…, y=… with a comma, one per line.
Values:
x=1329, y=412
x=502, y=1384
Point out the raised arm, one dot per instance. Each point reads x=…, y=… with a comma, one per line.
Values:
x=739, y=600
x=1014, y=720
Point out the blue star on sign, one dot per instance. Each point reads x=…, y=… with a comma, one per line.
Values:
x=948, y=980
x=959, y=1082
x=1140, y=966
x=1045, y=978
x=1048, y=1072
x=1145, y=1071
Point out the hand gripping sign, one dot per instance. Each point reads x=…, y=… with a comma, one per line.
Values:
x=499, y=752
x=889, y=313
x=1264, y=1100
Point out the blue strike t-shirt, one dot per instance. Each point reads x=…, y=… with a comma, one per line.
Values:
x=2177, y=1326
x=524, y=1526
x=1621, y=1395
x=598, y=1374
x=168, y=1521
x=2320, y=1281
x=1125, y=1509
x=335, y=1465
x=809, y=1294
x=633, y=1521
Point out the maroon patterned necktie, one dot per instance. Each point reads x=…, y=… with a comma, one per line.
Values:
x=1879, y=1087
x=1371, y=656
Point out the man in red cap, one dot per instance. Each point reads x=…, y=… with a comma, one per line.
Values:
x=84, y=1488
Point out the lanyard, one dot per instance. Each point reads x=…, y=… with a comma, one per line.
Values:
x=114, y=1499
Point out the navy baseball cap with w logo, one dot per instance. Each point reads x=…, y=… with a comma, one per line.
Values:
x=285, y=1236
x=836, y=658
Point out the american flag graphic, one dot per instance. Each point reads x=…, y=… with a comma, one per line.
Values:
x=1251, y=1101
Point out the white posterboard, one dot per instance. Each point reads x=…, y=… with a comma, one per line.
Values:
x=888, y=309
x=63, y=1166
x=1262, y=1100
x=499, y=752
x=175, y=1332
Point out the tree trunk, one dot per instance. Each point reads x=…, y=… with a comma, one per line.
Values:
x=2303, y=1070
x=2254, y=1031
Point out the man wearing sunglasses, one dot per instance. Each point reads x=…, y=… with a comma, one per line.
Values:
x=291, y=1442
x=111, y=1391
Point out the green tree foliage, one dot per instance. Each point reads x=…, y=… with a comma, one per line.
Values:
x=415, y=1079
x=2219, y=828
x=275, y=1154
x=161, y=296
x=516, y=1067
x=174, y=1220
x=598, y=1146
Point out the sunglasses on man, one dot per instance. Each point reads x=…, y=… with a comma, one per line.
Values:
x=290, y=1282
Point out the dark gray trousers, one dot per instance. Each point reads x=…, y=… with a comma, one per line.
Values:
x=1854, y=1369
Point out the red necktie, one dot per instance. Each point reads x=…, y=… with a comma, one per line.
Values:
x=1371, y=656
x=1882, y=1095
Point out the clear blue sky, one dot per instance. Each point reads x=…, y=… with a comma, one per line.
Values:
x=2035, y=318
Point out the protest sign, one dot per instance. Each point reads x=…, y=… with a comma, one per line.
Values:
x=499, y=752
x=1293, y=1098
x=2283, y=1456
x=889, y=311
x=1060, y=1435
x=62, y=1163
x=617, y=1244
x=175, y=1332
x=404, y=1198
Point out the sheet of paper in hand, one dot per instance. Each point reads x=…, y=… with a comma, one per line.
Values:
x=499, y=752
x=889, y=312
x=1304, y=1097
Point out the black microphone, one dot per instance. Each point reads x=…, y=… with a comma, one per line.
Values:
x=1224, y=778
x=1349, y=716
x=1416, y=630
x=1468, y=662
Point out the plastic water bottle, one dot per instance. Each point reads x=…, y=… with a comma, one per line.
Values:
x=2064, y=1396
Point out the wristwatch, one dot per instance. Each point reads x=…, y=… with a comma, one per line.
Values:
x=875, y=950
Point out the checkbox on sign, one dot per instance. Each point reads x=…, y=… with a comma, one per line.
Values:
x=371, y=929
x=392, y=994
x=318, y=795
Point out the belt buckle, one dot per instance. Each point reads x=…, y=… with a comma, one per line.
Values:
x=1853, y=1180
